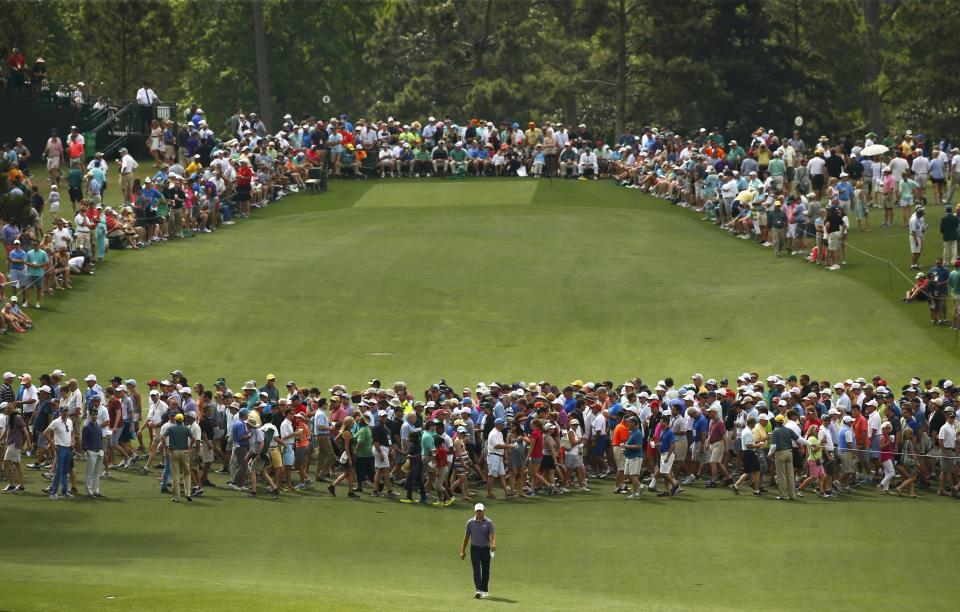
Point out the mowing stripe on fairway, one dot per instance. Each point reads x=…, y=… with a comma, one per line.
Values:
x=448, y=193
x=590, y=281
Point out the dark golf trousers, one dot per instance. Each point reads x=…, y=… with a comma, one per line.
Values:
x=480, y=558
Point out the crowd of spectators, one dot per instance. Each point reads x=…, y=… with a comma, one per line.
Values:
x=798, y=199
x=20, y=78
x=798, y=434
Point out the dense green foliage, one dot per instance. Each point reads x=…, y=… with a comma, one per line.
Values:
x=841, y=64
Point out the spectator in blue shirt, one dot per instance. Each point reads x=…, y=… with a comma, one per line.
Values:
x=633, y=451
x=241, y=441
x=668, y=441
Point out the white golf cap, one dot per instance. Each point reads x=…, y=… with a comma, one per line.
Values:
x=479, y=508
x=91, y=378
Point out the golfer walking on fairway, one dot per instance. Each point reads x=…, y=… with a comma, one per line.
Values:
x=483, y=542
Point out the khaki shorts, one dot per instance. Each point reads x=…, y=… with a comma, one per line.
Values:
x=833, y=241
x=126, y=181
x=681, y=447
x=716, y=452
x=848, y=463
x=619, y=457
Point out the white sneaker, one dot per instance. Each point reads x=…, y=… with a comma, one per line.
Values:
x=37, y=305
x=484, y=594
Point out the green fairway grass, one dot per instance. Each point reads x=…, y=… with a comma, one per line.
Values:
x=588, y=281
x=447, y=194
x=477, y=280
x=702, y=549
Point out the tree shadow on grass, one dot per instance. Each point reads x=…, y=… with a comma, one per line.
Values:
x=88, y=537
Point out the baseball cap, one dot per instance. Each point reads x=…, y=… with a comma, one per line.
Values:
x=848, y=419
x=499, y=421
x=479, y=508
x=179, y=417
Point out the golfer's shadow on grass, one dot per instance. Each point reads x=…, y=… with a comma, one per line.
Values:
x=502, y=600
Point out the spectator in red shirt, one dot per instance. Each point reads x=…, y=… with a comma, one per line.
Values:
x=16, y=62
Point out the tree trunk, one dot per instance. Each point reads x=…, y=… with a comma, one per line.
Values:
x=871, y=93
x=620, y=112
x=569, y=33
x=263, y=80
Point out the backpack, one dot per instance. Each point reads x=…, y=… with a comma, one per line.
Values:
x=267, y=438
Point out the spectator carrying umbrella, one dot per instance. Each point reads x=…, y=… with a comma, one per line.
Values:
x=874, y=149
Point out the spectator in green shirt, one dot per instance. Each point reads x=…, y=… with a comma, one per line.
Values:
x=178, y=440
x=781, y=442
x=75, y=185
x=953, y=283
x=421, y=161
x=364, y=452
x=37, y=260
x=458, y=159
x=777, y=170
